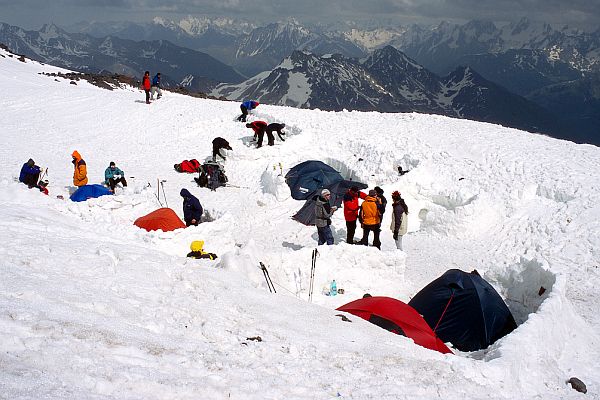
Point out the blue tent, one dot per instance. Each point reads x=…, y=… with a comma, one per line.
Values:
x=306, y=178
x=89, y=192
x=465, y=310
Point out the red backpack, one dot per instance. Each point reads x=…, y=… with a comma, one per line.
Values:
x=189, y=166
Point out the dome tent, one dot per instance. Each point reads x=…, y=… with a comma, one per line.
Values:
x=465, y=310
x=164, y=219
x=307, y=179
x=397, y=317
x=86, y=192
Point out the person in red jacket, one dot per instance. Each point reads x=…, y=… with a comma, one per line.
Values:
x=146, y=85
x=259, y=128
x=351, y=211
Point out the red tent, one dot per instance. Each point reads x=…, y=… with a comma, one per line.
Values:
x=164, y=219
x=397, y=317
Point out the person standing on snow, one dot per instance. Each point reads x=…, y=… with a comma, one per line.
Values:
x=371, y=219
x=382, y=200
x=113, y=175
x=351, y=211
x=399, y=223
x=245, y=107
x=155, y=88
x=219, y=143
x=192, y=209
x=146, y=85
x=323, y=213
x=80, y=170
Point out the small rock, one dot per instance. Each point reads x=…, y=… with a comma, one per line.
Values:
x=255, y=338
x=344, y=318
x=73, y=83
x=541, y=291
x=578, y=385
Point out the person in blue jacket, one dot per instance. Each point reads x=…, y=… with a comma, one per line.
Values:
x=245, y=107
x=155, y=88
x=192, y=209
x=30, y=173
x=113, y=175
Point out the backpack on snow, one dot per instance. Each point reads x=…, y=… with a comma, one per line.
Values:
x=189, y=166
x=211, y=175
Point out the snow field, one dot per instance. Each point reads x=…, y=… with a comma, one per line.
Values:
x=93, y=307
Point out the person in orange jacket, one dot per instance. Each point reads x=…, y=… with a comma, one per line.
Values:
x=370, y=218
x=80, y=172
x=146, y=85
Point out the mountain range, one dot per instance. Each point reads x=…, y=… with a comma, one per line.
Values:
x=550, y=70
x=389, y=81
x=85, y=53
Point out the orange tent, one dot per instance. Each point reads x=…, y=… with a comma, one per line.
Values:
x=164, y=219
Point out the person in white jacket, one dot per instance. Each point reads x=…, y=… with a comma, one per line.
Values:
x=399, y=218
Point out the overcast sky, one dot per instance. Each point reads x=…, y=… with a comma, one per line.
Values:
x=31, y=14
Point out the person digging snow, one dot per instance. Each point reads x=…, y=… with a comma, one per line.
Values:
x=245, y=107
x=192, y=209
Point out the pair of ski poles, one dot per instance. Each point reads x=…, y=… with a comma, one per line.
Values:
x=315, y=254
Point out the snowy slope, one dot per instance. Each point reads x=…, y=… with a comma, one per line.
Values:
x=93, y=307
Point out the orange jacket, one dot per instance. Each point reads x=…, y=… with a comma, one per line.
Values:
x=80, y=172
x=369, y=213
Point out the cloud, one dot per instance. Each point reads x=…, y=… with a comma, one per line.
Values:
x=557, y=12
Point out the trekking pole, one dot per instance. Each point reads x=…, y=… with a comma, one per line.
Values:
x=267, y=277
x=157, y=198
x=162, y=185
x=44, y=174
x=315, y=253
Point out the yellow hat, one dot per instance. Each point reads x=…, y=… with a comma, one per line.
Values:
x=197, y=245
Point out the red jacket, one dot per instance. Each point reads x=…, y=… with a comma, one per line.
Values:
x=258, y=125
x=351, y=205
x=146, y=82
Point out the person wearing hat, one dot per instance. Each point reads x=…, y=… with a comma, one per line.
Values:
x=371, y=219
x=192, y=209
x=197, y=251
x=382, y=200
x=323, y=213
x=399, y=218
x=30, y=173
x=113, y=175
x=80, y=170
x=351, y=211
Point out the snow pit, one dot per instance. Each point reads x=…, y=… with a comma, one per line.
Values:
x=524, y=287
x=554, y=194
x=344, y=170
x=273, y=182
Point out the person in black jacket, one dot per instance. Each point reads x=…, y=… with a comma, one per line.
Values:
x=192, y=209
x=218, y=144
x=382, y=199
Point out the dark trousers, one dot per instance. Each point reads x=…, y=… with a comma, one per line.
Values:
x=113, y=182
x=147, y=96
x=350, y=229
x=325, y=235
x=270, y=137
x=275, y=127
x=371, y=228
x=244, y=114
x=31, y=180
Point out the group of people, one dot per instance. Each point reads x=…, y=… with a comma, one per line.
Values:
x=31, y=174
x=369, y=214
x=151, y=87
x=261, y=127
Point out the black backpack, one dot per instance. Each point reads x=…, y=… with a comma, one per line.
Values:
x=211, y=176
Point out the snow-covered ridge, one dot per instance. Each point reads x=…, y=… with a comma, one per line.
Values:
x=93, y=307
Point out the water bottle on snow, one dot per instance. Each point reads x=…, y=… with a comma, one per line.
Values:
x=333, y=288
